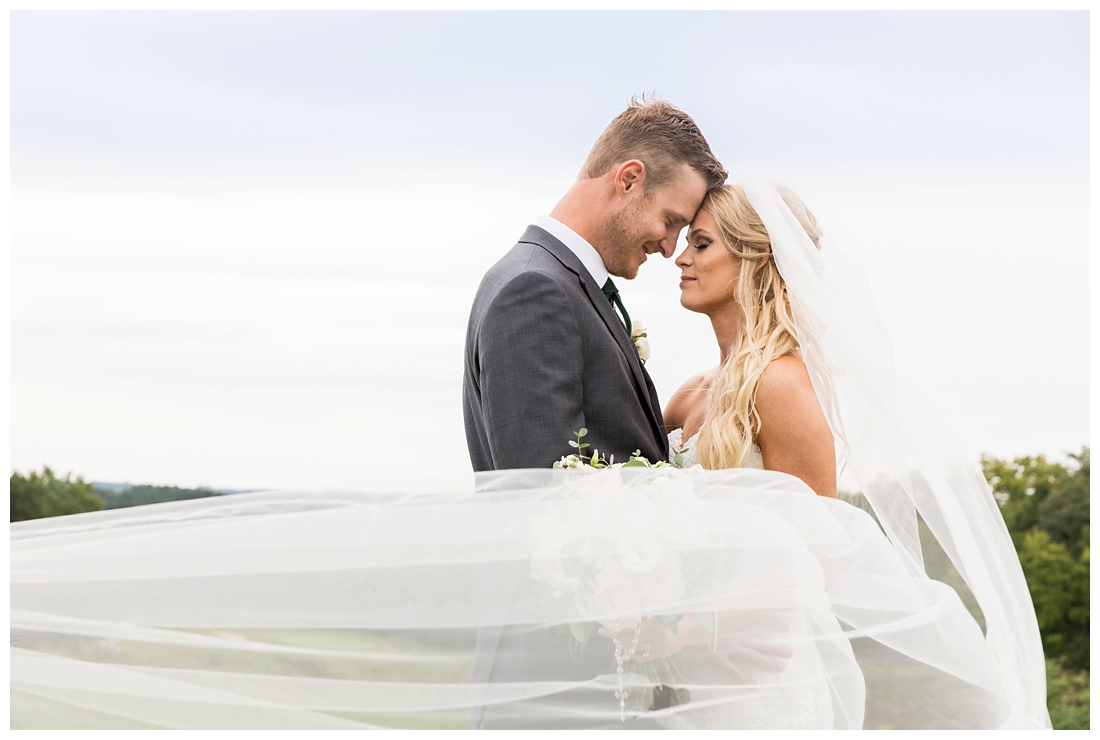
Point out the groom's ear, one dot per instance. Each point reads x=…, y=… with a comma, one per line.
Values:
x=630, y=177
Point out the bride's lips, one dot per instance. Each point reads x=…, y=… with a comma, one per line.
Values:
x=684, y=280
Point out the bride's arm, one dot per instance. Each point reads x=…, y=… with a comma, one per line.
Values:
x=794, y=436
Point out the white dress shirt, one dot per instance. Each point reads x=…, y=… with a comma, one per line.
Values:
x=585, y=252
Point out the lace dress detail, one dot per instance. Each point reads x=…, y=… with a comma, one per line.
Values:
x=676, y=441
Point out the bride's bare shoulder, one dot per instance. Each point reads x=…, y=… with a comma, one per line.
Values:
x=782, y=377
x=794, y=435
x=686, y=400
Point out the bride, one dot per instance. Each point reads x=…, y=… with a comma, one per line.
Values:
x=740, y=592
x=757, y=409
x=719, y=415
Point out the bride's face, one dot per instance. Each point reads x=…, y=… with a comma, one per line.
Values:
x=708, y=271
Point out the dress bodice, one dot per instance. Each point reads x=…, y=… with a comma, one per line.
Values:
x=676, y=441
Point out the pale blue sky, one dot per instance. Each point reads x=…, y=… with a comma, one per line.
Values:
x=770, y=87
x=259, y=232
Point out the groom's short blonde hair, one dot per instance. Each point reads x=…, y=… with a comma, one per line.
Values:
x=659, y=134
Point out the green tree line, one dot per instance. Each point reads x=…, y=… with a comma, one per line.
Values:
x=44, y=494
x=1046, y=509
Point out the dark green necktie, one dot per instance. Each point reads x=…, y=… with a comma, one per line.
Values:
x=612, y=294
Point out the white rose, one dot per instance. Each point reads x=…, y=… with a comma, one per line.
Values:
x=683, y=521
x=620, y=512
x=663, y=585
x=548, y=571
x=594, y=481
x=638, y=555
x=583, y=606
x=615, y=600
x=637, y=329
x=643, y=348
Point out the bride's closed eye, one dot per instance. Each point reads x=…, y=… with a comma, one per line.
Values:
x=702, y=244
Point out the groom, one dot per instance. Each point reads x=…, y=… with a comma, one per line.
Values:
x=548, y=346
x=548, y=351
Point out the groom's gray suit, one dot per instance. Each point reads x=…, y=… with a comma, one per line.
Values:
x=546, y=354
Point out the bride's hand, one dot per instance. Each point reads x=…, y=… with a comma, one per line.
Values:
x=751, y=643
x=656, y=639
x=738, y=651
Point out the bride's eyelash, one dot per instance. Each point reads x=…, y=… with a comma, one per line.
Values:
x=702, y=244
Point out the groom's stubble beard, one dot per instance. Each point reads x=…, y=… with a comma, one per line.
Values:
x=623, y=241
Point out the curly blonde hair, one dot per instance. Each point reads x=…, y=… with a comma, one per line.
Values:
x=768, y=332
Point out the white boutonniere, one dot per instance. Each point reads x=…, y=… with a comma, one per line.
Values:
x=638, y=335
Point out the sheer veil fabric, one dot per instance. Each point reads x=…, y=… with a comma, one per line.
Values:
x=912, y=469
x=903, y=606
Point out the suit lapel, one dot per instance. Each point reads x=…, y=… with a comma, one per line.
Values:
x=542, y=238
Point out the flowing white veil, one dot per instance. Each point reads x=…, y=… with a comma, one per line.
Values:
x=904, y=608
x=911, y=466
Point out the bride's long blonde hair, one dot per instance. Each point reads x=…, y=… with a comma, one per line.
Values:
x=768, y=332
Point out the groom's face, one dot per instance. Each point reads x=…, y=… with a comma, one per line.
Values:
x=650, y=222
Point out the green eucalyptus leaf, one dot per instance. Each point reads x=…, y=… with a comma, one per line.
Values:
x=673, y=621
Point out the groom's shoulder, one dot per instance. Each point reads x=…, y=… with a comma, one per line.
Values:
x=526, y=261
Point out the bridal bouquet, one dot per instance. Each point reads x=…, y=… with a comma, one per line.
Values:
x=609, y=551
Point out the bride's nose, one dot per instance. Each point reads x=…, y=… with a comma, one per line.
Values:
x=683, y=260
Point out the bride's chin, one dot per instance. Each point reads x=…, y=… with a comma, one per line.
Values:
x=689, y=305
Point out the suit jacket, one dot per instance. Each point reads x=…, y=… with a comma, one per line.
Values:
x=546, y=354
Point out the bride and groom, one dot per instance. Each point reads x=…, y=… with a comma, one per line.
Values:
x=739, y=593
x=549, y=347
x=805, y=379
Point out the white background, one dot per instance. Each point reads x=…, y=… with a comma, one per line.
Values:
x=244, y=245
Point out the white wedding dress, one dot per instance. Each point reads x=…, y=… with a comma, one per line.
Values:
x=796, y=698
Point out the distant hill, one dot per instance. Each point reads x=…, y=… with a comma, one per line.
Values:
x=120, y=496
x=100, y=487
x=44, y=494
